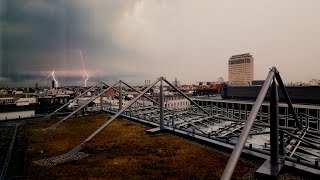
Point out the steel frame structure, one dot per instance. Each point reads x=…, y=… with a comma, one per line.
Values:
x=273, y=76
x=122, y=110
x=54, y=126
x=226, y=127
x=77, y=97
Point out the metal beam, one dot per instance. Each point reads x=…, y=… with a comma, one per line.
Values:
x=298, y=144
x=92, y=99
x=286, y=96
x=79, y=147
x=267, y=125
x=120, y=112
x=146, y=96
x=172, y=116
x=161, y=104
x=233, y=160
x=274, y=124
x=302, y=140
x=120, y=95
x=75, y=111
x=185, y=96
x=252, y=134
x=282, y=144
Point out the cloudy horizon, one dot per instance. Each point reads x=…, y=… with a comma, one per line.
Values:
x=136, y=40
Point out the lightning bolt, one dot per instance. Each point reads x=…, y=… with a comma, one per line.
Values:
x=54, y=78
x=85, y=76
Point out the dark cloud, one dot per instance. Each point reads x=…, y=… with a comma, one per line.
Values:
x=45, y=35
x=190, y=40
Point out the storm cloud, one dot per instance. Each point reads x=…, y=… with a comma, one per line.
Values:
x=143, y=39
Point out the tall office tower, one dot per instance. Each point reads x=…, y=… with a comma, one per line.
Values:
x=241, y=70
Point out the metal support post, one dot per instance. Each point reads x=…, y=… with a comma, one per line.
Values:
x=120, y=96
x=173, y=119
x=233, y=160
x=307, y=121
x=130, y=111
x=301, y=118
x=161, y=97
x=281, y=150
x=286, y=96
x=101, y=101
x=274, y=124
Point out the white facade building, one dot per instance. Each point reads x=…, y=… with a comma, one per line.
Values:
x=182, y=104
x=16, y=115
x=26, y=101
x=175, y=101
x=7, y=100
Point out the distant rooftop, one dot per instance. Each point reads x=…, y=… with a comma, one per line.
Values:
x=241, y=55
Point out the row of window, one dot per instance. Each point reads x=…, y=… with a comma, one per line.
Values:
x=264, y=108
x=167, y=98
x=240, y=61
x=173, y=97
x=5, y=101
x=177, y=104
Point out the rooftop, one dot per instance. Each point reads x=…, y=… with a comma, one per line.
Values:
x=241, y=55
x=125, y=151
x=267, y=103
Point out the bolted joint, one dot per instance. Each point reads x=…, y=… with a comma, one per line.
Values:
x=274, y=69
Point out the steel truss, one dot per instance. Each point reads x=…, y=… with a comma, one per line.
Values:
x=280, y=142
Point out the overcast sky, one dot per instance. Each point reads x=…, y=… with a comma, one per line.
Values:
x=136, y=40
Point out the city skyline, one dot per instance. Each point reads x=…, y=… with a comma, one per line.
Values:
x=138, y=40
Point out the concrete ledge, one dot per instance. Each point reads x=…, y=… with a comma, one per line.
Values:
x=268, y=171
x=154, y=131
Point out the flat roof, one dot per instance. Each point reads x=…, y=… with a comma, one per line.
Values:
x=266, y=103
x=241, y=55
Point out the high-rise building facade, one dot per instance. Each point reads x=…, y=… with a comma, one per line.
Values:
x=241, y=70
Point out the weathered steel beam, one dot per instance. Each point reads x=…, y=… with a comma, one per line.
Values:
x=233, y=160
